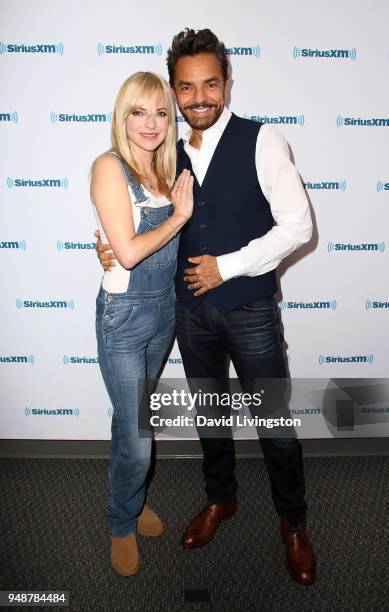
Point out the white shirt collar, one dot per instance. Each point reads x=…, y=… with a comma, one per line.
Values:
x=215, y=131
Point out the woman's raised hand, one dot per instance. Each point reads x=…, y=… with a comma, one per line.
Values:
x=182, y=194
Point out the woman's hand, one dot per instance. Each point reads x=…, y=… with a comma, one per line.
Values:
x=182, y=195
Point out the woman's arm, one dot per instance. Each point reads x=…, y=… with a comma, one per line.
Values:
x=109, y=192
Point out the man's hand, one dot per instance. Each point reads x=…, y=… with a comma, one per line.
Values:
x=107, y=260
x=204, y=276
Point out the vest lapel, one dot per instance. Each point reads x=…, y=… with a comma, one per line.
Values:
x=218, y=151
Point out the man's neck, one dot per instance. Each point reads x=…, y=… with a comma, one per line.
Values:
x=196, y=138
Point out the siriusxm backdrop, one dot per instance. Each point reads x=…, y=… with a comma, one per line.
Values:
x=319, y=73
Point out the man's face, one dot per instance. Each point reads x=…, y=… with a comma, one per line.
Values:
x=200, y=89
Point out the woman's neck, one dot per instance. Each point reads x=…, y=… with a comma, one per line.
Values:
x=144, y=161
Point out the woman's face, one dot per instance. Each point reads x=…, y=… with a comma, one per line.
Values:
x=148, y=124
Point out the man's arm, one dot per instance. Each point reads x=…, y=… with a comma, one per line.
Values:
x=289, y=205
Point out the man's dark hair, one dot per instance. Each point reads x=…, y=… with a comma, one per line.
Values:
x=190, y=42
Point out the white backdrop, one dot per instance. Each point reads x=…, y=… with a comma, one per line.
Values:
x=320, y=71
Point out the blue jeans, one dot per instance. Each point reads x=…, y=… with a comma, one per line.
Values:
x=134, y=330
x=132, y=345
x=251, y=338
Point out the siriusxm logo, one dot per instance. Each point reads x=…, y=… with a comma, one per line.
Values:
x=69, y=304
x=153, y=49
x=46, y=182
x=18, y=359
x=332, y=185
x=73, y=118
x=251, y=51
x=374, y=122
x=381, y=186
x=175, y=360
x=329, y=305
x=285, y=119
x=11, y=117
x=328, y=53
x=369, y=305
x=75, y=246
x=51, y=411
x=77, y=360
x=39, y=48
x=14, y=244
x=305, y=410
x=323, y=359
x=341, y=246
x=180, y=119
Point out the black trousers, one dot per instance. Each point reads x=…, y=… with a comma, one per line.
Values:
x=251, y=338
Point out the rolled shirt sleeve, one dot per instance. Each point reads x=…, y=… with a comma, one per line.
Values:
x=283, y=189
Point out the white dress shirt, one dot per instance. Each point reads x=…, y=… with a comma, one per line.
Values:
x=281, y=186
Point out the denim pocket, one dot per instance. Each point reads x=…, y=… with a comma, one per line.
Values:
x=164, y=257
x=117, y=314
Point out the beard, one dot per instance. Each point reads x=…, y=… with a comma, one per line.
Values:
x=198, y=122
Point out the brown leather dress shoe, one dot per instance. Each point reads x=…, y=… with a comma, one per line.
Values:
x=300, y=557
x=203, y=527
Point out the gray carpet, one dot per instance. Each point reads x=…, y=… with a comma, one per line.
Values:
x=53, y=536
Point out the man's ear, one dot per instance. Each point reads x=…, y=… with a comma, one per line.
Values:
x=227, y=89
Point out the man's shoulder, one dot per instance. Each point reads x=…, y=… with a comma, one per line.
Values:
x=267, y=132
x=246, y=123
x=242, y=130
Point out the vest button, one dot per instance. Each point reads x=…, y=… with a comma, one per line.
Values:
x=203, y=226
x=201, y=203
x=203, y=249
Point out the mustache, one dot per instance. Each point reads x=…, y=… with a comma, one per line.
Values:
x=199, y=105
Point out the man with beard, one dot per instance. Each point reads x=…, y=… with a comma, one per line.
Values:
x=250, y=212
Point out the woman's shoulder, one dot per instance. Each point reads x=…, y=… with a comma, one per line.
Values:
x=107, y=177
x=107, y=165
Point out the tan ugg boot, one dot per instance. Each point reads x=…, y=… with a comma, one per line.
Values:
x=149, y=524
x=125, y=554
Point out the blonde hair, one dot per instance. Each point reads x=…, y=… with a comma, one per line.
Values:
x=135, y=90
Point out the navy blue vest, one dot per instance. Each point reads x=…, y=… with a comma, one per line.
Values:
x=229, y=211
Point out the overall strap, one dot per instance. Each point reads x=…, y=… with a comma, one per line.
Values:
x=137, y=189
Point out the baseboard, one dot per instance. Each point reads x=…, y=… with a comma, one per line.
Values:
x=99, y=449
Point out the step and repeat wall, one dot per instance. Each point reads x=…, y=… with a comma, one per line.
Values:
x=318, y=73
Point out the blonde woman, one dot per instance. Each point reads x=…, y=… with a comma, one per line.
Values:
x=139, y=210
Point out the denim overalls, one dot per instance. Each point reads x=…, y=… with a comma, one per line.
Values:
x=134, y=330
